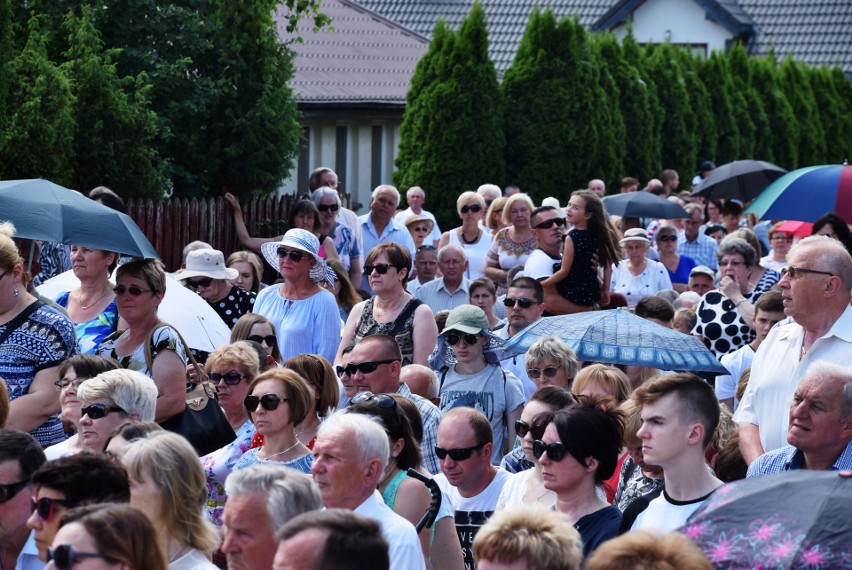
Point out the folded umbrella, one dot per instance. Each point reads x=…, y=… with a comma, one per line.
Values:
x=798, y=229
x=642, y=205
x=619, y=337
x=46, y=211
x=739, y=180
x=806, y=194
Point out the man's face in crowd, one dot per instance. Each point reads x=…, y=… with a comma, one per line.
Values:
x=383, y=205
x=426, y=263
x=815, y=414
x=519, y=317
x=249, y=539
x=415, y=200
x=453, y=266
x=700, y=283
x=691, y=225
x=550, y=238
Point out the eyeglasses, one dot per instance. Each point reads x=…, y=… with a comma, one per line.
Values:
x=328, y=207
x=231, y=378
x=270, y=340
x=268, y=402
x=44, y=506
x=381, y=268
x=382, y=400
x=295, y=256
x=203, y=282
x=550, y=372
x=134, y=290
x=8, y=492
x=367, y=367
x=555, y=451
x=64, y=557
x=472, y=208
x=458, y=454
x=524, y=303
x=98, y=411
x=791, y=272
x=667, y=238
x=547, y=224
x=62, y=384
x=453, y=338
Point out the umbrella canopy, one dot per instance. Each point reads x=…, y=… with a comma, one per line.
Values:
x=642, y=205
x=619, y=337
x=46, y=211
x=740, y=180
x=191, y=315
x=798, y=229
x=797, y=519
x=806, y=194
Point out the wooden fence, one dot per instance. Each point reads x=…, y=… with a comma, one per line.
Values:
x=171, y=225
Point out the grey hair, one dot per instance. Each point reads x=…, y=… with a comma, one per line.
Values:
x=131, y=391
x=735, y=245
x=385, y=188
x=553, y=348
x=669, y=295
x=288, y=492
x=413, y=189
x=822, y=371
x=664, y=230
x=366, y=432
x=830, y=254
x=489, y=188
x=323, y=191
x=451, y=247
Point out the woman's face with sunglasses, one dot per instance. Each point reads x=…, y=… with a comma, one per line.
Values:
x=549, y=372
x=48, y=506
x=74, y=548
x=134, y=299
x=100, y=417
x=526, y=428
x=559, y=469
x=270, y=413
x=233, y=383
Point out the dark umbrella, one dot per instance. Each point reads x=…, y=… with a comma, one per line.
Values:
x=642, y=205
x=739, y=180
x=797, y=519
x=46, y=211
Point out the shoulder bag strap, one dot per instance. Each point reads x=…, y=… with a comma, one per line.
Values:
x=149, y=360
x=19, y=319
x=400, y=320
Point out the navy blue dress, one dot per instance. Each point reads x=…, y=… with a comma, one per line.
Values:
x=581, y=286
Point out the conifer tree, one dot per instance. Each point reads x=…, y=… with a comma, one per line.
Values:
x=760, y=143
x=713, y=74
x=638, y=59
x=800, y=95
x=784, y=132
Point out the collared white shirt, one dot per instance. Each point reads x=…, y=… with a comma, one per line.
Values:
x=405, y=552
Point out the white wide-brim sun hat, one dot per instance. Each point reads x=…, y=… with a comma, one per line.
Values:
x=206, y=263
x=304, y=241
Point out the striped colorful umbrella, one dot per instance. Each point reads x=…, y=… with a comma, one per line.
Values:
x=806, y=194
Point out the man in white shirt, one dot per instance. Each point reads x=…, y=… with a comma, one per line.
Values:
x=469, y=482
x=415, y=196
x=815, y=290
x=350, y=455
x=679, y=415
x=379, y=226
x=451, y=289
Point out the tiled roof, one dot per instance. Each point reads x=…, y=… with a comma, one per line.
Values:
x=727, y=13
x=815, y=32
x=364, y=59
x=507, y=19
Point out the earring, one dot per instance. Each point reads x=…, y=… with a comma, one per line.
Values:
x=16, y=292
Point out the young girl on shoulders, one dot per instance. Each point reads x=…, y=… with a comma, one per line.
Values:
x=577, y=279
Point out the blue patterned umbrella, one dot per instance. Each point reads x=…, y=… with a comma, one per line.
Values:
x=619, y=337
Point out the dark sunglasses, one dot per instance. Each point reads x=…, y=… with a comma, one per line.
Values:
x=522, y=428
x=203, y=282
x=458, y=454
x=61, y=384
x=547, y=224
x=556, y=451
x=791, y=272
x=341, y=370
x=367, y=367
x=472, y=208
x=381, y=268
x=295, y=256
x=231, y=378
x=328, y=207
x=270, y=340
x=268, y=402
x=382, y=400
x=536, y=373
x=427, y=248
x=44, y=507
x=64, y=557
x=8, y=492
x=524, y=303
x=453, y=338
x=134, y=290
x=667, y=238
x=98, y=411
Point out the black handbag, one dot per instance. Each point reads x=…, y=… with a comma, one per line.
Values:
x=202, y=422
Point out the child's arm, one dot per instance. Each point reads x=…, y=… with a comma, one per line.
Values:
x=567, y=260
x=604, y=300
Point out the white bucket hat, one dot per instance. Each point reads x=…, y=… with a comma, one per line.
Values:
x=305, y=241
x=206, y=263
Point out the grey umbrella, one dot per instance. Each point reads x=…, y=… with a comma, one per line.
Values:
x=739, y=180
x=46, y=211
x=642, y=205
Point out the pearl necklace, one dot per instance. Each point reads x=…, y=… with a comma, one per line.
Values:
x=282, y=452
x=84, y=307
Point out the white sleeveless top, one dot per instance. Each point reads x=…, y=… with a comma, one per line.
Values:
x=476, y=253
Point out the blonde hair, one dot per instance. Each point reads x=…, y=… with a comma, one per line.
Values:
x=131, y=391
x=9, y=254
x=468, y=197
x=610, y=377
x=239, y=353
x=170, y=462
x=254, y=262
x=507, y=208
x=648, y=550
x=499, y=203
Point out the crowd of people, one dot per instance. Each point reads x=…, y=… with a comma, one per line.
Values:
x=373, y=365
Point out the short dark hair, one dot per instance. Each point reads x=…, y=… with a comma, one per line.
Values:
x=553, y=397
x=537, y=211
x=87, y=365
x=731, y=208
x=697, y=399
x=23, y=448
x=304, y=207
x=529, y=283
x=629, y=181
x=85, y=478
x=396, y=424
x=314, y=179
x=354, y=542
x=398, y=256
x=108, y=198
x=593, y=428
x=770, y=302
x=655, y=308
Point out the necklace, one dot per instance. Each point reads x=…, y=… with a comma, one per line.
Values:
x=283, y=452
x=464, y=237
x=84, y=307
